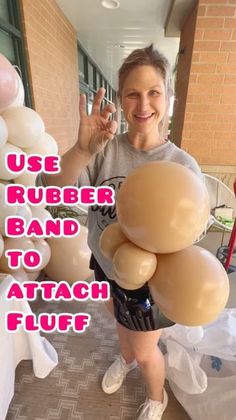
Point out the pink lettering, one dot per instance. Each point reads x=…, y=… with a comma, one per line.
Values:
x=105, y=195
x=13, y=321
x=14, y=226
x=15, y=162
x=15, y=292
x=100, y=290
x=81, y=290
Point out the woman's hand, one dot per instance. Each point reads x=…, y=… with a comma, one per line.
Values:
x=96, y=129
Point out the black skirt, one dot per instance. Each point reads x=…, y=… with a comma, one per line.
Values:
x=134, y=309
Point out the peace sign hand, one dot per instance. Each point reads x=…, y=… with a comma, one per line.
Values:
x=96, y=129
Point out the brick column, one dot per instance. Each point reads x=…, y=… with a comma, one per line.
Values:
x=51, y=47
x=205, y=110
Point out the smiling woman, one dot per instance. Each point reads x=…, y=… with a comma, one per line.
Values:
x=102, y=158
x=145, y=92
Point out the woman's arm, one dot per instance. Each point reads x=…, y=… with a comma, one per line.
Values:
x=73, y=162
x=94, y=132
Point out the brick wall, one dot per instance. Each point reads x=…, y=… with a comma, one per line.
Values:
x=51, y=47
x=207, y=130
x=182, y=77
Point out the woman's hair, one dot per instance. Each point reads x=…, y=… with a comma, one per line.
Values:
x=146, y=57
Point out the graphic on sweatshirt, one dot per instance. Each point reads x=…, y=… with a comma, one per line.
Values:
x=107, y=214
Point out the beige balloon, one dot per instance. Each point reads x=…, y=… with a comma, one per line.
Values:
x=24, y=125
x=46, y=145
x=1, y=245
x=69, y=258
x=190, y=287
x=4, y=172
x=33, y=276
x=27, y=179
x=21, y=243
x=5, y=209
x=43, y=247
x=20, y=275
x=111, y=239
x=133, y=266
x=163, y=207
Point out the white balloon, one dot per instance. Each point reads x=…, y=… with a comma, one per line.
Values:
x=33, y=276
x=1, y=245
x=41, y=214
x=4, y=172
x=21, y=243
x=3, y=132
x=45, y=251
x=24, y=211
x=24, y=125
x=27, y=179
x=5, y=209
x=46, y=145
x=20, y=275
x=20, y=98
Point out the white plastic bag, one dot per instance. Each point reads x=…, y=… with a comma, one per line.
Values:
x=201, y=367
x=218, y=401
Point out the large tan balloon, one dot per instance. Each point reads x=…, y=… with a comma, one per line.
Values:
x=69, y=258
x=46, y=145
x=111, y=239
x=4, y=172
x=133, y=266
x=163, y=207
x=190, y=287
x=5, y=209
x=24, y=126
x=21, y=243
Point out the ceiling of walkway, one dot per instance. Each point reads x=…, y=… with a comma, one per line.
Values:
x=110, y=35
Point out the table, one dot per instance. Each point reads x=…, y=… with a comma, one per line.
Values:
x=18, y=346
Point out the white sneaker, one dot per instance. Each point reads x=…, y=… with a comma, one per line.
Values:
x=153, y=410
x=115, y=374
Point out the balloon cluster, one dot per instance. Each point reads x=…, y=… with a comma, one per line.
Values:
x=22, y=130
x=162, y=209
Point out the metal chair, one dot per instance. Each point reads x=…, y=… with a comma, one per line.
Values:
x=223, y=203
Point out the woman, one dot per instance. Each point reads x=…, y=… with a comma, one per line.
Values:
x=102, y=158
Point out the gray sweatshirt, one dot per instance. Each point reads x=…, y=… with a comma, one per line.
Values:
x=109, y=168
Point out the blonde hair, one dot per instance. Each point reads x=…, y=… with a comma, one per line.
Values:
x=147, y=57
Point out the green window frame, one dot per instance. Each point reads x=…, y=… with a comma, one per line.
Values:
x=91, y=78
x=11, y=29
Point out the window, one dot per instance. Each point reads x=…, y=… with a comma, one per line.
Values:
x=91, y=79
x=83, y=73
x=11, y=43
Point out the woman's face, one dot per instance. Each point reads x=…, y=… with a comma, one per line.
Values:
x=143, y=99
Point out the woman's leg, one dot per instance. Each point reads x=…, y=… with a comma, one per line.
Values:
x=150, y=360
x=123, y=334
